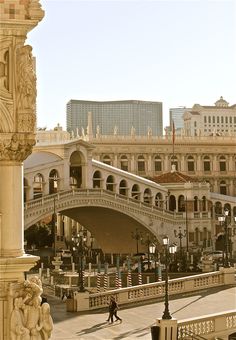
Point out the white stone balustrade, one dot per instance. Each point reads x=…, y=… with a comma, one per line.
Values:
x=209, y=327
x=134, y=294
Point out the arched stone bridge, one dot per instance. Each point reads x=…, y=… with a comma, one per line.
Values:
x=111, y=202
x=107, y=215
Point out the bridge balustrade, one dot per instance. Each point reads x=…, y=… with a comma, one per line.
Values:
x=157, y=289
x=209, y=327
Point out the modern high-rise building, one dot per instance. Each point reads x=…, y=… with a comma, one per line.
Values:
x=123, y=117
x=176, y=116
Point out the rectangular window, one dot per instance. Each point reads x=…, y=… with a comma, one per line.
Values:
x=218, y=119
x=223, y=190
x=205, y=119
x=207, y=166
x=191, y=237
x=158, y=166
x=190, y=166
x=222, y=166
x=141, y=166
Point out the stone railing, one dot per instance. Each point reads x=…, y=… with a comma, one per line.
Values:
x=36, y=209
x=208, y=327
x=224, y=276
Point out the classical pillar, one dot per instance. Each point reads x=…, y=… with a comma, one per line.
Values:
x=17, y=137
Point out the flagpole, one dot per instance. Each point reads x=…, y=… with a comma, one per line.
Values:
x=173, y=140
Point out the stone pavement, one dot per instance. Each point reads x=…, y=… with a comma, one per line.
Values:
x=137, y=319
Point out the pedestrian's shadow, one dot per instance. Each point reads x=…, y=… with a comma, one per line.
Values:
x=94, y=328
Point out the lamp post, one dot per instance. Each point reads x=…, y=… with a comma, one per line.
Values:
x=79, y=245
x=169, y=249
x=223, y=220
x=54, y=225
x=180, y=235
x=138, y=236
x=152, y=250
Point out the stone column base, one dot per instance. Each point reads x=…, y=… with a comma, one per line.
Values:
x=11, y=272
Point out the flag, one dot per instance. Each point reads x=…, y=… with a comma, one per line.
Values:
x=173, y=132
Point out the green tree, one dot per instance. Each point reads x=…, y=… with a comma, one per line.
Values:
x=38, y=234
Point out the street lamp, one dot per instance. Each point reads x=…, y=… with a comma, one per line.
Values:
x=180, y=235
x=153, y=251
x=79, y=245
x=223, y=220
x=169, y=249
x=138, y=236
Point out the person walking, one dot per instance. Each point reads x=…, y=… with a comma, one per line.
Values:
x=113, y=308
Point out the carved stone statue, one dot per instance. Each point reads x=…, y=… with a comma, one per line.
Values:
x=132, y=131
x=149, y=132
x=98, y=131
x=115, y=130
x=46, y=321
x=18, y=329
x=29, y=319
x=26, y=80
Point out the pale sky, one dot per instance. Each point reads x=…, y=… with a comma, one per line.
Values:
x=176, y=52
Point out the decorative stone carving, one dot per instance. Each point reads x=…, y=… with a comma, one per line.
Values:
x=35, y=10
x=46, y=322
x=16, y=149
x=26, y=122
x=18, y=329
x=29, y=319
x=4, y=70
x=26, y=79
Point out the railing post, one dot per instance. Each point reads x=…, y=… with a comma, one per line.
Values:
x=167, y=329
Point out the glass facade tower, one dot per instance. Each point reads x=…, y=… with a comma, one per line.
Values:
x=115, y=115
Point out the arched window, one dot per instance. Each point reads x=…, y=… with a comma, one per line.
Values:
x=53, y=182
x=195, y=203
x=38, y=186
x=172, y=203
x=204, y=203
x=181, y=203
x=159, y=200
x=141, y=164
x=206, y=164
x=123, y=188
x=234, y=211
x=107, y=160
x=223, y=188
x=222, y=163
x=158, y=163
x=97, y=179
x=124, y=163
x=174, y=161
x=135, y=192
x=190, y=163
x=218, y=208
x=147, y=196
x=227, y=206
x=110, y=183
x=76, y=169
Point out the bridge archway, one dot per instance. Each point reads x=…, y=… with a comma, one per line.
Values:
x=111, y=228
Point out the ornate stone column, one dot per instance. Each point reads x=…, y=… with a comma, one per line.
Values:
x=17, y=137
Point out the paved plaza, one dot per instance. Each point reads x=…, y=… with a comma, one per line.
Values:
x=137, y=319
